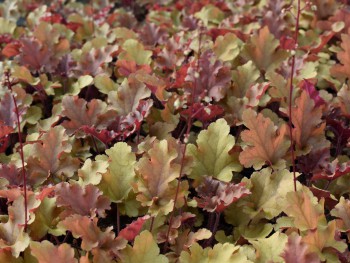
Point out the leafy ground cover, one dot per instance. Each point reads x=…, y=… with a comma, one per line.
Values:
x=174, y=131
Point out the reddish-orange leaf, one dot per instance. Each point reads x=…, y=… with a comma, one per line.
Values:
x=133, y=229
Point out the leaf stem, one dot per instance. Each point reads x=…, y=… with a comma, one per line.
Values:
x=213, y=229
x=152, y=223
x=9, y=85
x=189, y=125
x=118, y=220
x=291, y=87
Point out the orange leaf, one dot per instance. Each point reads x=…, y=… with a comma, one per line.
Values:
x=343, y=70
x=308, y=127
x=265, y=143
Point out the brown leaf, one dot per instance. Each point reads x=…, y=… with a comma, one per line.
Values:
x=51, y=157
x=91, y=61
x=85, y=201
x=35, y=55
x=128, y=96
x=82, y=113
x=263, y=50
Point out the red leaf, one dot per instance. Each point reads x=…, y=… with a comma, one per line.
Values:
x=52, y=18
x=133, y=229
x=286, y=42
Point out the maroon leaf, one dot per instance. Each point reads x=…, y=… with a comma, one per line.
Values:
x=215, y=195
x=332, y=171
x=11, y=173
x=212, y=80
x=341, y=132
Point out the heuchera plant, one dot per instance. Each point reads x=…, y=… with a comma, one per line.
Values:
x=174, y=131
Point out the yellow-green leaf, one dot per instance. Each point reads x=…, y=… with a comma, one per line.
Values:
x=145, y=250
x=211, y=155
x=116, y=182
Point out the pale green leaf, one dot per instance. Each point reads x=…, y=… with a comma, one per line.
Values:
x=227, y=47
x=220, y=253
x=105, y=84
x=270, y=249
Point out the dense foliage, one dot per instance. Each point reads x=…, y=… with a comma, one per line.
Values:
x=174, y=131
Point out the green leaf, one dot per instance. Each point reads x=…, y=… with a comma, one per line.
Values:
x=46, y=219
x=157, y=173
x=211, y=155
x=6, y=26
x=267, y=198
x=23, y=74
x=33, y=114
x=244, y=77
x=145, y=250
x=135, y=51
x=116, y=182
x=342, y=211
